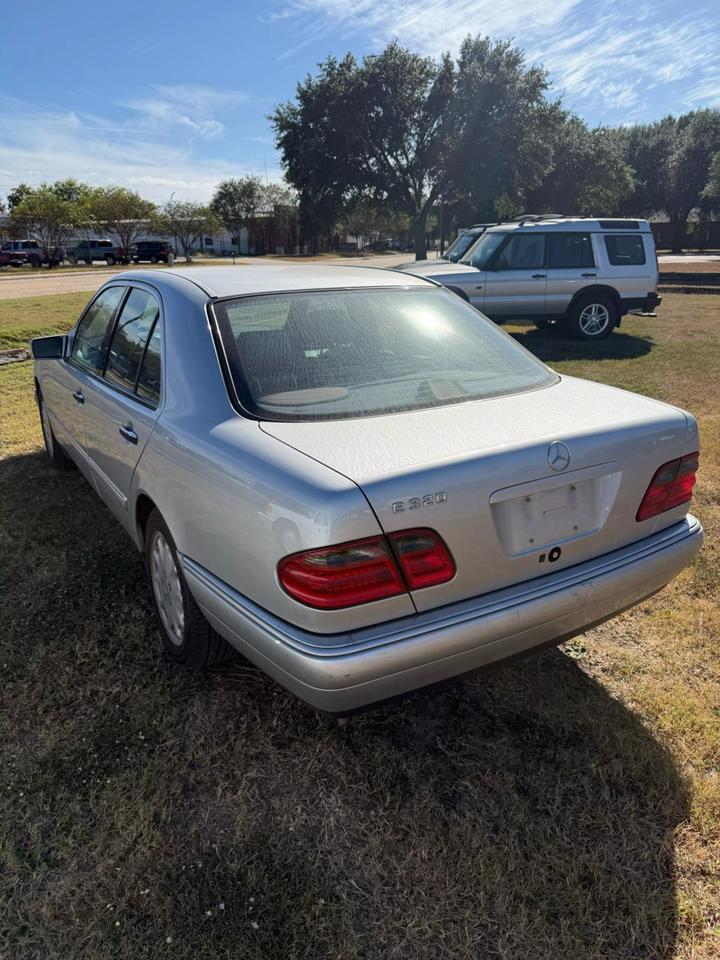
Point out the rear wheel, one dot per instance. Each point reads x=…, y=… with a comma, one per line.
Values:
x=153, y=259
x=57, y=456
x=110, y=260
x=189, y=639
x=592, y=318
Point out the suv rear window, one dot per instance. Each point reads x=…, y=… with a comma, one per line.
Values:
x=625, y=250
x=568, y=250
x=354, y=353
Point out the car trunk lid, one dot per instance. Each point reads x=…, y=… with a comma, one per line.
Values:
x=517, y=486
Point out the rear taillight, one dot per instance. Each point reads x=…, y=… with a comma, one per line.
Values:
x=423, y=558
x=362, y=571
x=671, y=486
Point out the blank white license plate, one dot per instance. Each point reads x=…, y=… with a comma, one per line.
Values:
x=540, y=517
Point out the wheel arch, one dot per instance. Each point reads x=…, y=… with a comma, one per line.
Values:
x=595, y=290
x=144, y=506
x=459, y=293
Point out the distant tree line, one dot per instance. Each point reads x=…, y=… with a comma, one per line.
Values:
x=53, y=213
x=480, y=135
x=380, y=146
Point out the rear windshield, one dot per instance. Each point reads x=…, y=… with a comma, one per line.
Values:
x=355, y=353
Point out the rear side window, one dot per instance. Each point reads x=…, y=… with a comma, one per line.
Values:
x=625, y=250
x=90, y=343
x=131, y=335
x=568, y=250
x=523, y=251
x=148, y=385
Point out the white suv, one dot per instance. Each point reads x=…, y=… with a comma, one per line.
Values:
x=584, y=273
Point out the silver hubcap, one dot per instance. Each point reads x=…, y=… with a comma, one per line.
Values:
x=46, y=429
x=166, y=587
x=594, y=319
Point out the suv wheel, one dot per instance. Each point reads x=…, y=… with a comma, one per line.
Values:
x=110, y=260
x=592, y=318
x=153, y=259
x=189, y=638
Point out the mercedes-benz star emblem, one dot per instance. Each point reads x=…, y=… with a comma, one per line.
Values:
x=558, y=455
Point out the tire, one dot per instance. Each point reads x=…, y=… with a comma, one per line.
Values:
x=592, y=318
x=110, y=260
x=188, y=638
x=56, y=455
x=72, y=261
x=153, y=259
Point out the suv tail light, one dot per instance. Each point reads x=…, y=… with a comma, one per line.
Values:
x=362, y=571
x=672, y=485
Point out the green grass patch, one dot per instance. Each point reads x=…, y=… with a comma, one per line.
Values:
x=563, y=807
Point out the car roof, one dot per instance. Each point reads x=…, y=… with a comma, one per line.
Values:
x=241, y=280
x=561, y=224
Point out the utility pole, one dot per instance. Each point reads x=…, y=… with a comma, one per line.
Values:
x=442, y=225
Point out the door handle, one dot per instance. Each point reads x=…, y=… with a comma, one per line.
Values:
x=79, y=396
x=127, y=431
x=539, y=276
x=588, y=274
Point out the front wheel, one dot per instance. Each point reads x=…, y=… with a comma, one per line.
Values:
x=592, y=318
x=188, y=637
x=110, y=260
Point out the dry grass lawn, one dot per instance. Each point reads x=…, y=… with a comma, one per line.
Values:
x=566, y=807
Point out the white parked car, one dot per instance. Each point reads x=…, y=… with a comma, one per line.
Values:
x=584, y=274
x=354, y=479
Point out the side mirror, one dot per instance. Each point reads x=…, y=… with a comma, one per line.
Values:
x=48, y=348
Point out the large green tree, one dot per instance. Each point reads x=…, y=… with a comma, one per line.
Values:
x=407, y=130
x=186, y=222
x=236, y=202
x=588, y=172
x=672, y=162
x=122, y=212
x=711, y=193
x=48, y=217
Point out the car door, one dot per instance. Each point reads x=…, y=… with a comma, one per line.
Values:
x=65, y=385
x=571, y=266
x=122, y=405
x=516, y=278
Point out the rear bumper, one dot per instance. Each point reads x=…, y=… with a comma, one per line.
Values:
x=340, y=673
x=647, y=304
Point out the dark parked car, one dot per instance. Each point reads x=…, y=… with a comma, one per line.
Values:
x=88, y=250
x=15, y=253
x=156, y=251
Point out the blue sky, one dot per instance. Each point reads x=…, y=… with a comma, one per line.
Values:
x=170, y=97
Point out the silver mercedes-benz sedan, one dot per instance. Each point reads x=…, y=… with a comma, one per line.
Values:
x=355, y=479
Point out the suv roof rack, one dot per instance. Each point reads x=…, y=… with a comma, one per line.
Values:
x=537, y=217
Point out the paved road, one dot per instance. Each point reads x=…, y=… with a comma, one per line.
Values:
x=44, y=282
x=58, y=281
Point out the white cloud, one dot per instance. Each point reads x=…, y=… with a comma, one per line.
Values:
x=614, y=59
x=186, y=105
x=38, y=144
